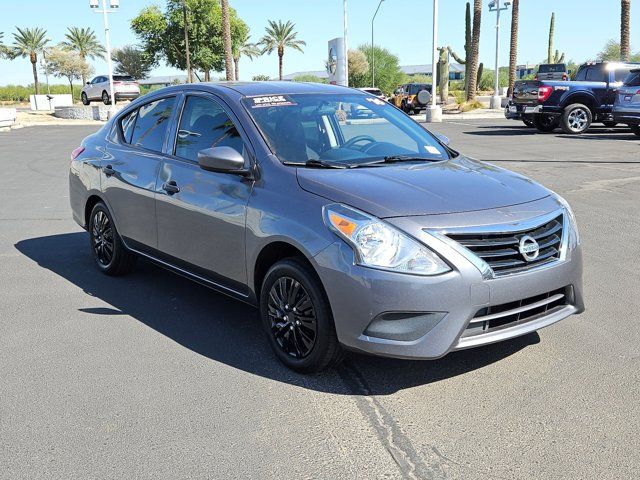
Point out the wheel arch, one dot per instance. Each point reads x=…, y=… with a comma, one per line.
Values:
x=91, y=202
x=586, y=99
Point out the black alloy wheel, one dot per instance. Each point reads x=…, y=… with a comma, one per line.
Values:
x=545, y=123
x=102, y=238
x=635, y=129
x=297, y=317
x=293, y=317
x=110, y=254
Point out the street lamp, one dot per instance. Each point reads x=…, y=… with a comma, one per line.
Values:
x=495, y=6
x=113, y=4
x=373, y=56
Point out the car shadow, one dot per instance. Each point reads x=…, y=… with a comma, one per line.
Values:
x=229, y=331
x=598, y=132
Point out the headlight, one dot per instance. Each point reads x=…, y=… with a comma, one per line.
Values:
x=379, y=245
x=572, y=218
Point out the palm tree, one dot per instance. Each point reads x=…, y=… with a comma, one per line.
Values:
x=27, y=43
x=226, y=40
x=83, y=41
x=513, y=52
x=625, y=14
x=475, y=42
x=243, y=47
x=278, y=37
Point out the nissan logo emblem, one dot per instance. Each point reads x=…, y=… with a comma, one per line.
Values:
x=529, y=248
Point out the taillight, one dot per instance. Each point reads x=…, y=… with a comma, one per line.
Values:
x=535, y=77
x=544, y=92
x=76, y=152
x=564, y=76
x=117, y=83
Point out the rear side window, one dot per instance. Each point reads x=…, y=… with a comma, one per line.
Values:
x=596, y=75
x=581, y=74
x=204, y=124
x=151, y=123
x=127, y=124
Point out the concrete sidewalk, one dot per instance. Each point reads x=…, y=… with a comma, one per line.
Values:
x=481, y=113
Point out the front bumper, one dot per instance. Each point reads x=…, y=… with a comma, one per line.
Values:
x=358, y=295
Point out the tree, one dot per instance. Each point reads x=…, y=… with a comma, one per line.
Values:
x=162, y=34
x=4, y=51
x=513, y=50
x=130, y=60
x=67, y=64
x=28, y=42
x=625, y=15
x=243, y=48
x=611, y=53
x=278, y=37
x=358, y=68
x=83, y=41
x=261, y=78
x=307, y=77
x=388, y=73
x=472, y=72
x=226, y=40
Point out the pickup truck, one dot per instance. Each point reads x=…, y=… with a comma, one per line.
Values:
x=572, y=105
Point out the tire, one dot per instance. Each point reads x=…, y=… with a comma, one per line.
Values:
x=545, y=123
x=610, y=124
x=105, y=98
x=576, y=119
x=635, y=129
x=528, y=123
x=84, y=99
x=290, y=287
x=403, y=107
x=104, y=239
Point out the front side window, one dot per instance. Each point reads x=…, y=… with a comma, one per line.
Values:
x=150, y=127
x=204, y=124
x=302, y=127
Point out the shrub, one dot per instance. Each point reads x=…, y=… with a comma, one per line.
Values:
x=472, y=105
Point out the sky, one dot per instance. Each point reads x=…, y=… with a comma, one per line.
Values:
x=402, y=26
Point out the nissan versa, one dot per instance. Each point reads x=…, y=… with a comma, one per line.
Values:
x=369, y=234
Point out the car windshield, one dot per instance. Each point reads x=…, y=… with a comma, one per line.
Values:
x=348, y=130
x=552, y=68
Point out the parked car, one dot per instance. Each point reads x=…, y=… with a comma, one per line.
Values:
x=405, y=97
x=571, y=105
x=552, y=71
x=125, y=87
x=627, y=106
x=375, y=91
x=373, y=236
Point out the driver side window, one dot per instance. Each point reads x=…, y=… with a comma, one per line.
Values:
x=204, y=124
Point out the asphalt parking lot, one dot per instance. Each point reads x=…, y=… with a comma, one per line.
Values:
x=152, y=376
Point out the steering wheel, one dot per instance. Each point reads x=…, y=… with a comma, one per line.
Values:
x=358, y=138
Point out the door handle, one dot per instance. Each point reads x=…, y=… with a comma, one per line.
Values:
x=170, y=187
x=108, y=170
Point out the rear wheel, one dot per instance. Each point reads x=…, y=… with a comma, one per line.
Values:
x=635, y=129
x=297, y=318
x=109, y=252
x=105, y=98
x=610, y=124
x=545, y=123
x=528, y=123
x=84, y=98
x=576, y=119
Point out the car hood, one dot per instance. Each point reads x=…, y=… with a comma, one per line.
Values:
x=457, y=185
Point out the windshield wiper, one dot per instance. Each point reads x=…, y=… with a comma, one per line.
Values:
x=313, y=163
x=397, y=159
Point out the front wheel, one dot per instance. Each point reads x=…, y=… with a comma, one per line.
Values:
x=610, y=124
x=109, y=252
x=297, y=318
x=545, y=123
x=635, y=129
x=576, y=119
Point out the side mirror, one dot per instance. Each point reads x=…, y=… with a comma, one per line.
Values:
x=443, y=139
x=88, y=83
x=222, y=159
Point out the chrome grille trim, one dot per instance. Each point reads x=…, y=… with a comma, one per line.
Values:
x=494, y=249
x=522, y=309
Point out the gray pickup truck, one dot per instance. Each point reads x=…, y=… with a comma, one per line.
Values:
x=552, y=71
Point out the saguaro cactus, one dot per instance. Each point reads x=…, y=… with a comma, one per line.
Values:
x=443, y=74
x=551, y=57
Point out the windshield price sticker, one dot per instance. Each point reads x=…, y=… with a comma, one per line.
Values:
x=271, y=101
x=377, y=101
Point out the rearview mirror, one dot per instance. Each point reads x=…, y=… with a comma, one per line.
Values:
x=443, y=139
x=221, y=159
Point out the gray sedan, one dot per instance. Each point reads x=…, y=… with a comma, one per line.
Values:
x=369, y=234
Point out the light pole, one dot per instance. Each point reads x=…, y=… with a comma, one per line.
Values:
x=113, y=4
x=433, y=112
x=373, y=56
x=494, y=6
x=345, y=53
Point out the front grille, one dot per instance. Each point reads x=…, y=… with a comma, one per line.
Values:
x=509, y=314
x=501, y=250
